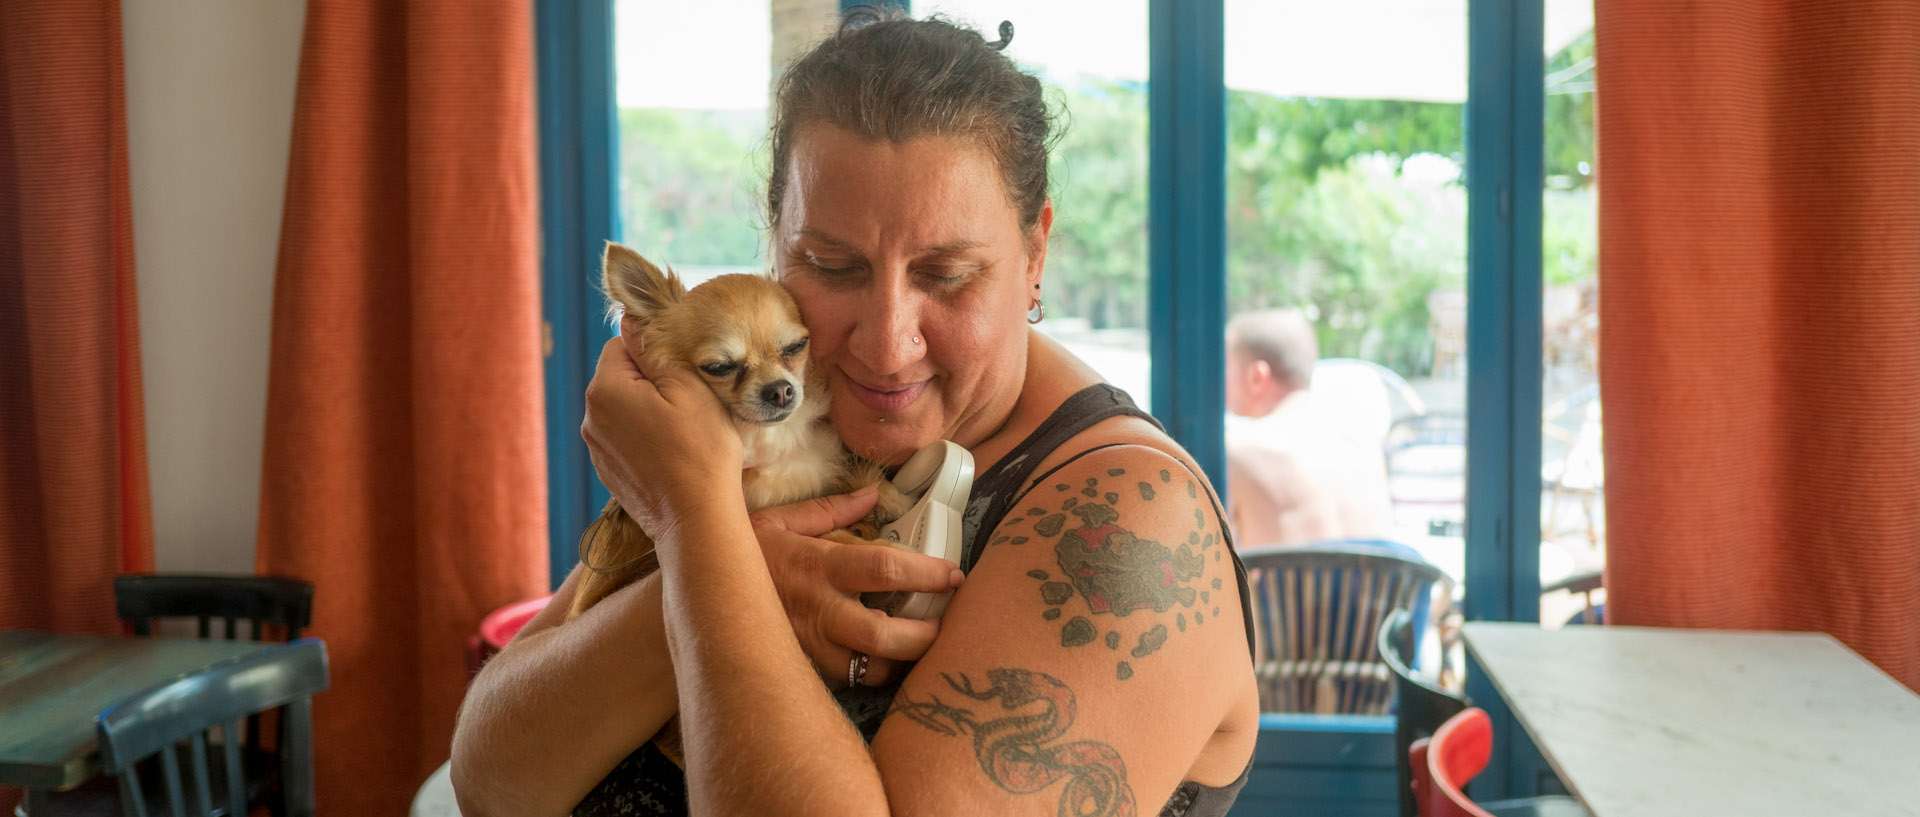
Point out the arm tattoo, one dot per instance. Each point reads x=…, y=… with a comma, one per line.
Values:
x=1115, y=571
x=1018, y=744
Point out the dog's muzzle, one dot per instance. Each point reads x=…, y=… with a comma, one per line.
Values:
x=773, y=404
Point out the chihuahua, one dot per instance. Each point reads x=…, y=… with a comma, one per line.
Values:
x=742, y=335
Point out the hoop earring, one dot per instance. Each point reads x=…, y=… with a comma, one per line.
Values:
x=1037, y=312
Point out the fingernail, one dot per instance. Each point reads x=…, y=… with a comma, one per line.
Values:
x=865, y=490
x=954, y=578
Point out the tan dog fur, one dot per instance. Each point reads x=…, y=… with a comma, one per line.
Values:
x=742, y=335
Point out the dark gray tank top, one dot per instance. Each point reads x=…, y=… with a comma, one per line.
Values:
x=647, y=783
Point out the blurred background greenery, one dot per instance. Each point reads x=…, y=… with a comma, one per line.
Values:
x=1352, y=209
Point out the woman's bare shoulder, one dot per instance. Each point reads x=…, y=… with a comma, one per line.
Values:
x=1109, y=584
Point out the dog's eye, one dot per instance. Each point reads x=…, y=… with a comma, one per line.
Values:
x=794, y=348
x=720, y=369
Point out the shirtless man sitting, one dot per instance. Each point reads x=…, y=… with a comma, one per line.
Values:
x=1295, y=473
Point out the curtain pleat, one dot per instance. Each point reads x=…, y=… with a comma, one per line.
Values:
x=73, y=464
x=1760, y=307
x=74, y=506
x=405, y=469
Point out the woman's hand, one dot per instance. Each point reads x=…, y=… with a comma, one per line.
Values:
x=820, y=583
x=660, y=441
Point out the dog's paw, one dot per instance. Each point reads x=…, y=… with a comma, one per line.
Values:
x=892, y=504
x=858, y=533
x=863, y=530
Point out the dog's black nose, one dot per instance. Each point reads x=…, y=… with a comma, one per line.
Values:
x=778, y=394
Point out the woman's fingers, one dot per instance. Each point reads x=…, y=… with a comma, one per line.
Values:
x=630, y=338
x=813, y=517
x=878, y=569
x=614, y=360
x=677, y=385
x=820, y=582
x=862, y=629
x=657, y=443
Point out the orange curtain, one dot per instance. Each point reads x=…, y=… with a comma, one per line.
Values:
x=405, y=470
x=73, y=443
x=1760, y=300
x=73, y=447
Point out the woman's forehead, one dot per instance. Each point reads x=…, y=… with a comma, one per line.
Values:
x=944, y=190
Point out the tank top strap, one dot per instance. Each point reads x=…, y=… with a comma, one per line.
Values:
x=997, y=490
x=999, y=487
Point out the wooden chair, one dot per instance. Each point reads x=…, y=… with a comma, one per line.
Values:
x=1458, y=750
x=276, y=608
x=1317, y=610
x=179, y=717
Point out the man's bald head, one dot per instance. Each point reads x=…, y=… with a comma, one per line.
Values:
x=1280, y=338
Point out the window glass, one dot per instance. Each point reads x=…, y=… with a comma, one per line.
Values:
x=692, y=82
x=1092, y=57
x=1346, y=275
x=693, y=147
x=1572, y=504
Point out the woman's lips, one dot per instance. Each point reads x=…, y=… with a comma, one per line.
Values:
x=886, y=400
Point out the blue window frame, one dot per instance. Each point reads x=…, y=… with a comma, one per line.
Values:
x=1187, y=172
x=1187, y=223
x=578, y=207
x=1506, y=103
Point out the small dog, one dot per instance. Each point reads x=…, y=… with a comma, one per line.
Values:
x=742, y=334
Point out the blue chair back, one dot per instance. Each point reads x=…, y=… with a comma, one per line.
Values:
x=179, y=715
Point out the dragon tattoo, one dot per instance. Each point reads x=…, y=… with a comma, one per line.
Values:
x=1018, y=747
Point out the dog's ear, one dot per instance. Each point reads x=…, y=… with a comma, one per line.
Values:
x=637, y=285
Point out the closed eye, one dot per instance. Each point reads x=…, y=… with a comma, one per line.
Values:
x=720, y=368
x=828, y=266
x=794, y=348
x=945, y=277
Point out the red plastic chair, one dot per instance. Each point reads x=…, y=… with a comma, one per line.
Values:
x=1458, y=750
x=1442, y=764
x=498, y=628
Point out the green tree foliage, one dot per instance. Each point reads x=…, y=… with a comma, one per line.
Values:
x=1354, y=210
x=1097, y=260
x=1321, y=216
x=1306, y=224
x=1571, y=241
x=1571, y=159
x=691, y=185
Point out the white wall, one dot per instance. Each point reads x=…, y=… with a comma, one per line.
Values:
x=210, y=88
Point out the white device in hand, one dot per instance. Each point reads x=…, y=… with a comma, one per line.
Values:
x=940, y=476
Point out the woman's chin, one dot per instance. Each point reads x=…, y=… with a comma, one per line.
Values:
x=887, y=440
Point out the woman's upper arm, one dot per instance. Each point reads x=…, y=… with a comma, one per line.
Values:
x=555, y=612
x=1093, y=651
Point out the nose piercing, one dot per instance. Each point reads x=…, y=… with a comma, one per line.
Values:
x=916, y=340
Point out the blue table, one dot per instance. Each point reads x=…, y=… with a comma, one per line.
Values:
x=52, y=686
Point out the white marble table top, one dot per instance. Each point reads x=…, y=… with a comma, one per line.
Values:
x=1649, y=721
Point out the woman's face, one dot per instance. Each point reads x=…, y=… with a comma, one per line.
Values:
x=914, y=277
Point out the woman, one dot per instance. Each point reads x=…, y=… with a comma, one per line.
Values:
x=1096, y=659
